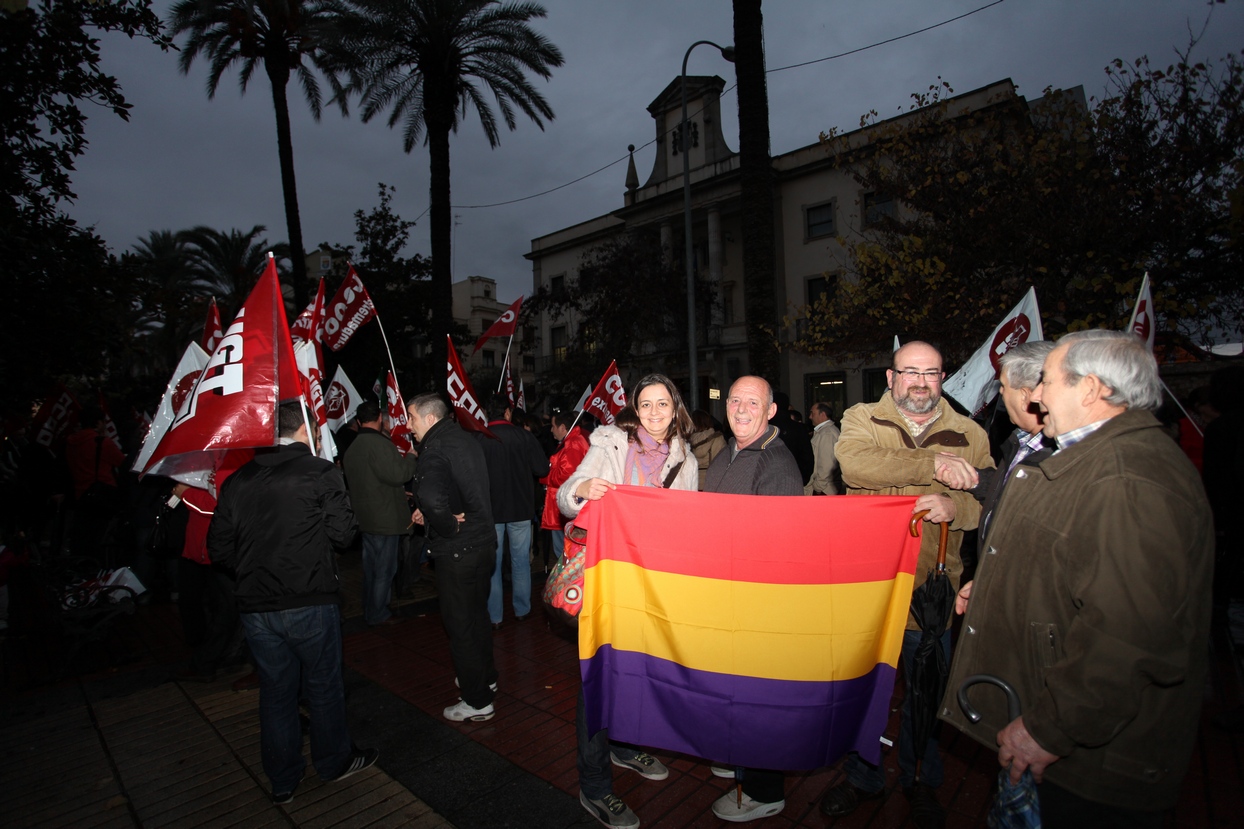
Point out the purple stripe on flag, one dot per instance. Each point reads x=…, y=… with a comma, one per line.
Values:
x=735, y=720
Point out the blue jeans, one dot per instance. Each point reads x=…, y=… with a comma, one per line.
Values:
x=870, y=778
x=595, y=767
x=380, y=560
x=520, y=566
x=559, y=544
x=293, y=650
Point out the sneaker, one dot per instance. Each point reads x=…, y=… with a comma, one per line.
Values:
x=463, y=711
x=728, y=807
x=281, y=798
x=844, y=799
x=359, y=760
x=492, y=686
x=724, y=771
x=645, y=765
x=610, y=810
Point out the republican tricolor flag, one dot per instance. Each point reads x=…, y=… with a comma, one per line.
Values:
x=768, y=643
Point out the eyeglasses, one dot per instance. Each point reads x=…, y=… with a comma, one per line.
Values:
x=912, y=374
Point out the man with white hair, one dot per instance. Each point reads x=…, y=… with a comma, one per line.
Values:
x=1093, y=598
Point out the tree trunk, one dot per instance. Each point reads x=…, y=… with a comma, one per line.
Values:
x=756, y=181
x=441, y=230
x=285, y=149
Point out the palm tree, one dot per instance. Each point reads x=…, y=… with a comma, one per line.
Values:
x=427, y=62
x=230, y=264
x=163, y=320
x=285, y=37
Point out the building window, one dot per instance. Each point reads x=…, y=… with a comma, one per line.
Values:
x=490, y=359
x=819, y=220
x=829, y=387
x=557, y=342
x=875, y=384
x=557, y=286
x=529, y=364
x=822, y=288
x=487, y=292
x=877, y=208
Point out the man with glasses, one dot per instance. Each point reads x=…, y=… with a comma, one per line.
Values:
x=897, y=446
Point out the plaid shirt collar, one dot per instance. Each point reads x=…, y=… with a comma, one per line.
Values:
x=1076, y=435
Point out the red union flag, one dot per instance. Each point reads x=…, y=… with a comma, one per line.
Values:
x=510, y=394
x=399, y=431
x=522, y=395
x=503, y=327
x=470, y=416
x=349, y=311
x=976, y=382
x=212, y=331
x=1141, y=323
x=55, y=416
x=608, y=398
x=234, y=399
x=309, y=326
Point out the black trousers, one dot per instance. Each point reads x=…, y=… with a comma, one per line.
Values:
x=463, y=581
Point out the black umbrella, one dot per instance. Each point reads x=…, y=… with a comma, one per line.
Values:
x=931, y=603
x=1016, y=805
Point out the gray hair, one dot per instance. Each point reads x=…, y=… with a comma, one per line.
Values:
x=1024, y=362
x=1120, y=360
x=430, y=403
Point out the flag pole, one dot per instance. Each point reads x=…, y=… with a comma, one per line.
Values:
x=1167, y=389
x=506, y=361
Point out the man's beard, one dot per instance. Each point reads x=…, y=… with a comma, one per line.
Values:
x=918, y=407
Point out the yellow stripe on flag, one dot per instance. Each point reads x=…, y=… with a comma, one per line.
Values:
x=804, y=632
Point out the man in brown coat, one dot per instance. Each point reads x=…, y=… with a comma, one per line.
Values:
x=1092, y=598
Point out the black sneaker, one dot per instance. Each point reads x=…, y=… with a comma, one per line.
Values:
x=926, y=811
x=281, y=798
x=359, y=760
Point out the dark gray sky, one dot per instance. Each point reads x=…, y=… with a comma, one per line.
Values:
x=183, y=160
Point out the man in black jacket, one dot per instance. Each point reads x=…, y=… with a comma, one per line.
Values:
x=451, y=489
x=278, y=521
x=515, y=460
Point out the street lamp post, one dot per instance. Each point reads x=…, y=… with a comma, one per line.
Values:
x=727, y=52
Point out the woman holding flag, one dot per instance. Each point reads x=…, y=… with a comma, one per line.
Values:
x=647, y=447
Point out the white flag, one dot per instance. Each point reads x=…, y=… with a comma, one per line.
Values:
x=975, y=384
x=194, y=468
x=587, y=395
x=341, y=400
x=307, y=357
x=1141, y=323
x=896, y=343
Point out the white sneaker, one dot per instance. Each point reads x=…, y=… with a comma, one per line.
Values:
x=723, y=771
x=462, y=711
x=727, y=807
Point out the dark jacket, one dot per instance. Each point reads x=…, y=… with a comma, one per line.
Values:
x=515, y=460
x=763, y=467
x=376, y=473
x=1093, y=600
x=795, y=435
x=278, y=521
x=992, y=481
x=452, y=479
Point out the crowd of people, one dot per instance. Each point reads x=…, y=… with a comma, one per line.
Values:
x=1083, y=551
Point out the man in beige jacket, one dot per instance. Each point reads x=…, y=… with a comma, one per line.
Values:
x=895, y=447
